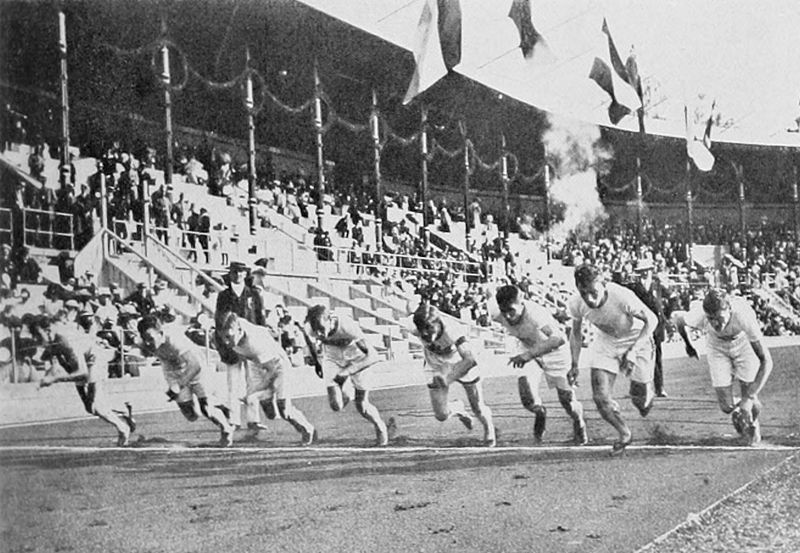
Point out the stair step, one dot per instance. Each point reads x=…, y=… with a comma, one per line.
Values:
x=342, y=312
x=298, y=312
x=320, y=300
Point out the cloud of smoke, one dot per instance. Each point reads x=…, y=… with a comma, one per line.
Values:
x=575, y=152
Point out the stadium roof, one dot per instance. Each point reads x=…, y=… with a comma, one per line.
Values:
x=739, y=54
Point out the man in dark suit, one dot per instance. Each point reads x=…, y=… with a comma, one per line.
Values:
x=649, y=289
x=203, y=229
x=241, y=299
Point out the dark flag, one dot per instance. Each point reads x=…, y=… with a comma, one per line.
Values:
x=612, y=76
x=530, y=41
x=450, y=32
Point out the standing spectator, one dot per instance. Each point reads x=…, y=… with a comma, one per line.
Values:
x=652, y=293
x=192, y=227
x=238, y=298
x=177, y=215
x=161, y=213
x=203, y=229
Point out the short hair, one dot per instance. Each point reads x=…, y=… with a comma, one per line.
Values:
x=585, y=274
x=228, y=320
x=315, y=315
x=506, y=295
x=426, y=314
x=147, y=322
x=715, y=301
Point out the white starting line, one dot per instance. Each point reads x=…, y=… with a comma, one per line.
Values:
x=390, y=450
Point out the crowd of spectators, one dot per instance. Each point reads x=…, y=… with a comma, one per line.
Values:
x=452, y=279
x=765, y=262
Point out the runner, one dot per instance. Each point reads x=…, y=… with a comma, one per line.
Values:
x=184, y=374
x=449, y=358
x=73, y=350
x=543, y=342
x=347, y=357
x=270, y=366
x=623, y=344
x=736, y=351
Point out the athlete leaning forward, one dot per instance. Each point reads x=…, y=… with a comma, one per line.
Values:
x=450, y=358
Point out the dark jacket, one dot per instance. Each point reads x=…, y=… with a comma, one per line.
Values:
x=247, y=306
x=653, y=298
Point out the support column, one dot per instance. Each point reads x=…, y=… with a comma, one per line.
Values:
x=739, y=170
x=639, y=198
x=320, y=152
x=689, y=212
x=249, y=105
x=166, y=82
x=423, y=193
x=104, y=214
x=380, y=211
x=504, y=178
x=796, y=203
x=547, y=214
x=466, y=195
x=62, y=49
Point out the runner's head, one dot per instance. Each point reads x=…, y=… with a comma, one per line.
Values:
x=591, y=285
x=509, y=300
x=717, y=307
x=428, y=321
x=319, y=319
x=150, y=330
x=230, y=330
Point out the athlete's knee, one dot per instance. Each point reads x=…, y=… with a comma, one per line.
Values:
x=727, y=408
x=525, y=394
x=441, y=416
x=268, y=406
x=565, y=398
x=603, y=402
x=188, y=410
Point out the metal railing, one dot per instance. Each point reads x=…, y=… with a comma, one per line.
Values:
x=377, y=261
x=38, y=228
x=122, y=245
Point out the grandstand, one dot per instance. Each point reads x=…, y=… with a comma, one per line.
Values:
x=343, y=196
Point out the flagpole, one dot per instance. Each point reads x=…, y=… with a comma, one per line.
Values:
x=320, y=153
x=739, y=171
x=62, y=48
x=547, y=205
x=466, y=193
x=504, y=177
x=423, y=192
x=251, y=143
x=796, y=202
x=166, y=81
x=639, y=196
x=374, y=120
x=689, y=211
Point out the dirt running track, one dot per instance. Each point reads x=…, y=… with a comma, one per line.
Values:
x=65, y=489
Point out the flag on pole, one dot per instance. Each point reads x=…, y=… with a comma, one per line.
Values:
x=699, y=149
x=612, y=76
x=533, y=45
x=437, y=45
x=636, y=82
